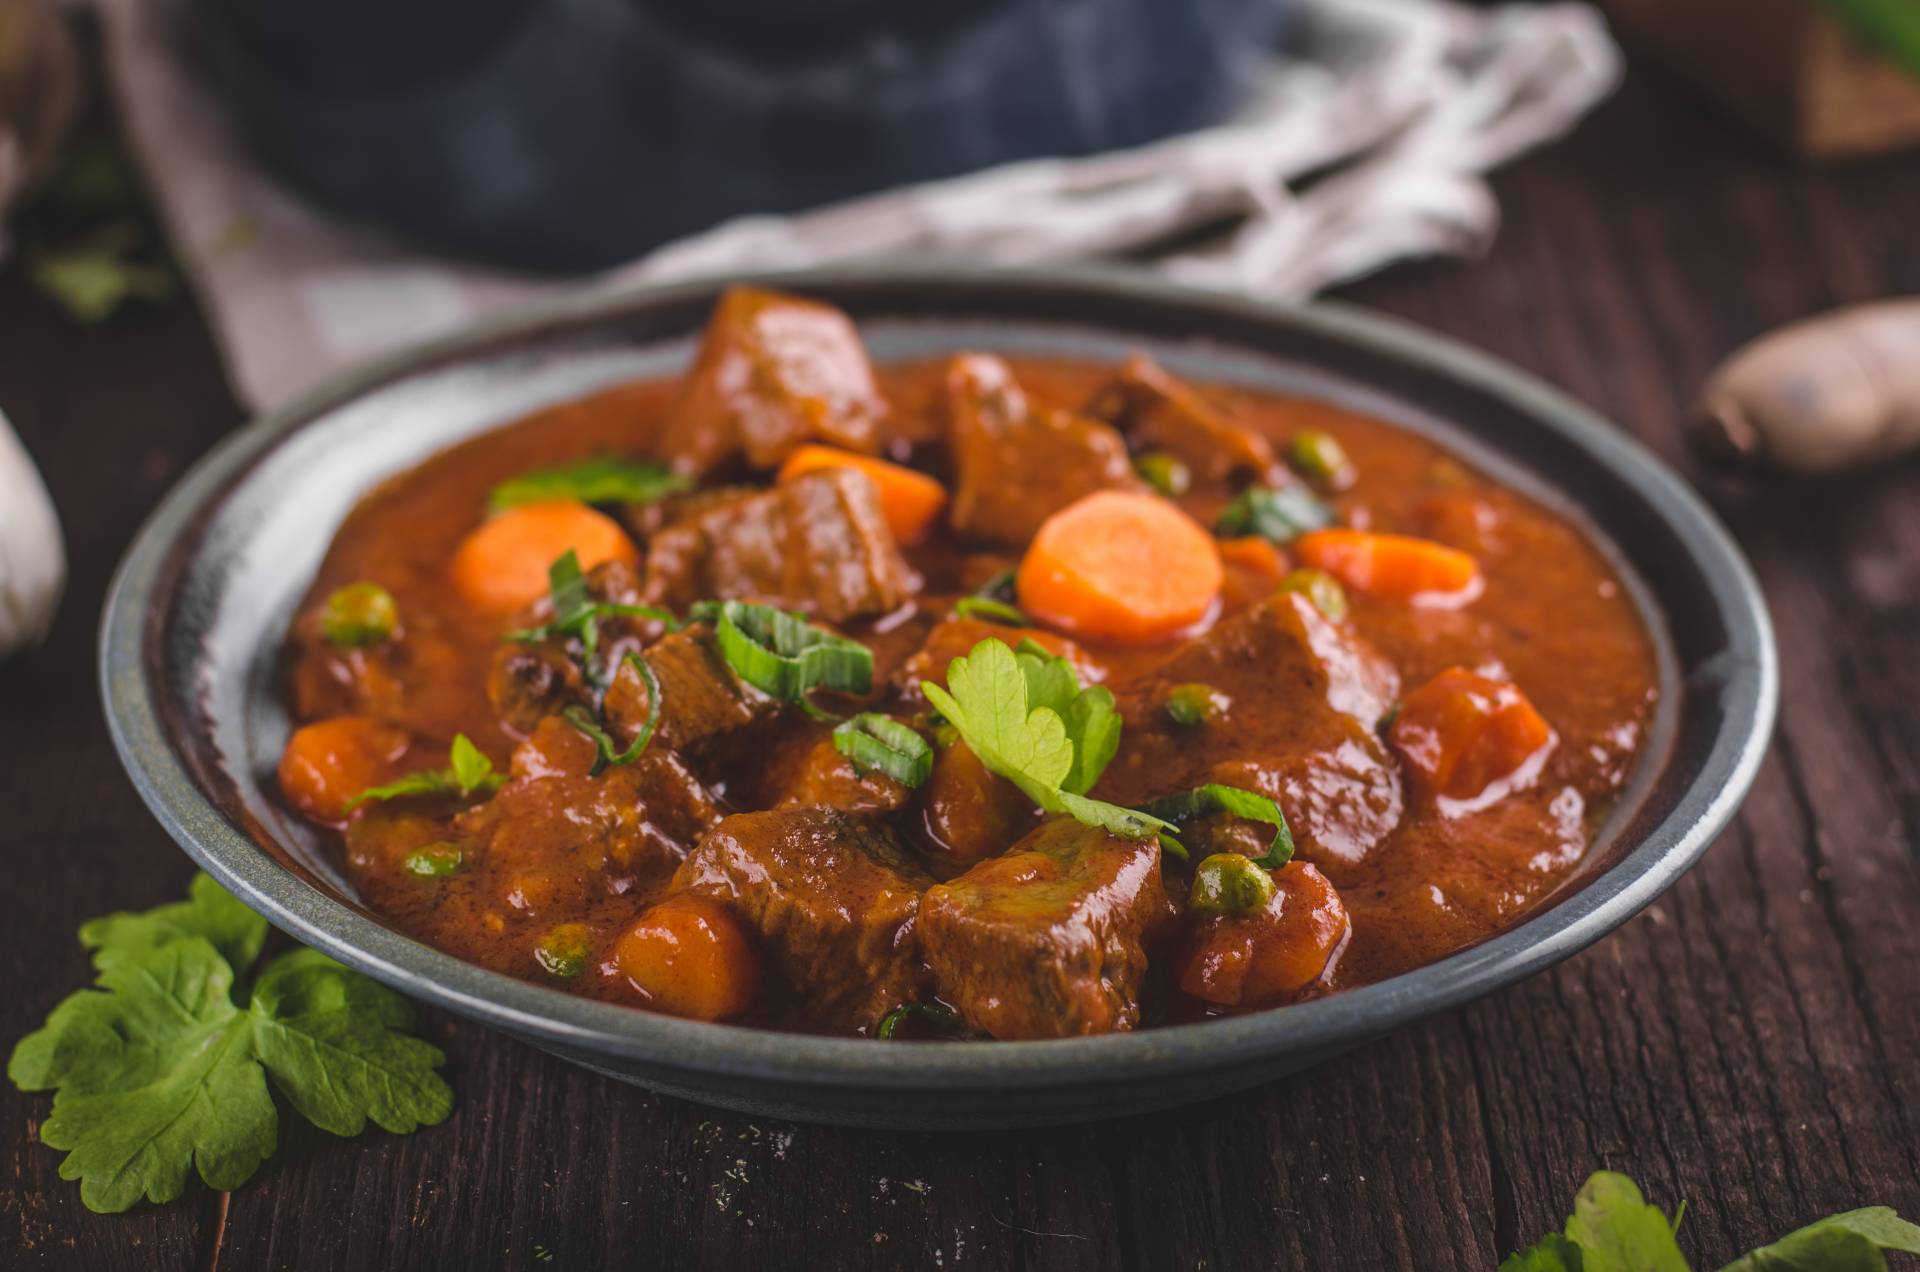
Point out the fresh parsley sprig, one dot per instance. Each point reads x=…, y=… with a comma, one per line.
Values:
x=163, y=1065
x=1614, y=1229
x=604, y=479
x=468, y=772
x=1027, y=718
x=607, y=753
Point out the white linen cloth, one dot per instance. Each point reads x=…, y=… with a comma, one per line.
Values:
x=1363, y=143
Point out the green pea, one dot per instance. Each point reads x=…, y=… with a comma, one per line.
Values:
x=433, y=861
x=1320, y=458
x=1192, y=705
x=360, y=614
x=1321, y=588
x=1164, y=473
x=1229, y=883
x=565, y=950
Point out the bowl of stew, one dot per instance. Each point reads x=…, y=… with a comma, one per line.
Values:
x=933, y=698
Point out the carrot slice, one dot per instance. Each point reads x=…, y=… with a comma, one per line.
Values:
x=1120, y=566
x=688, y=956
x=1394, y=567
x=911, y=501
x=1468, y=739
x=328, y=762
x=501, y=566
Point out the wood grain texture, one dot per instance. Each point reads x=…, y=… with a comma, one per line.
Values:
x=1748, y=1044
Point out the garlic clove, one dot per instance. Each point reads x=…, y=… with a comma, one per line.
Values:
x=33, y=562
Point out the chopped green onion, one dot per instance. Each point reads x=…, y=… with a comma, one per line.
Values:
x=936, y=1015
x=783, y=655
x=434, y=861
x=1321, y=588
x=1165, y=473
x=1277, y=513
x=1191, y=705
x=1000, y=587
x=1229, y=883
x=878, y=742
x=468, y=772
x=1320, y=458
x=359, y=614
x=565, y=950
x=991, y=610
x=1216, y=798
x=601, y=480
x=606, y=754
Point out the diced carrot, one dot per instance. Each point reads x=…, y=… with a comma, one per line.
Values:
x=1255, y=960
x=911, y=501
x=1393, y=567
x=502, y=565
x=1120, y=566
x=689, y=956
x=1465, y=737
x=328, y=762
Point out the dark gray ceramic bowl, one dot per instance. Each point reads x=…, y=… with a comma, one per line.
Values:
x=192, y=629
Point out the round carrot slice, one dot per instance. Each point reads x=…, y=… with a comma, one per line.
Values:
x=1394, y=567
x=911, y=501
x=502, y=565
x=1120, y=566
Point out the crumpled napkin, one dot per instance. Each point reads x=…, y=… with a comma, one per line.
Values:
x=1363, y=143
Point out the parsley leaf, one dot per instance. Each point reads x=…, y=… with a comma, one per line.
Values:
x=604, y=479
x=209, y=911
x=158, y=1069
x=468, y=772
x=577, y=614
x=1848, y=1242
x=1277, y=513
x=1009, y=709
x=1617, y=1230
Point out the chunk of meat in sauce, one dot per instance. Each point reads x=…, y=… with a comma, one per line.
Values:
x=1273, y=954
x=1298, y=699
x=801, y=766
x=1157, y=411
x=833, y=897
x=956, y=637
x=1016, y=463
x=528, y=681
x=702, y=703
x=553, y=831
x=1048, y=940
x=773, y=371
x=968, y=813
x=819, y=542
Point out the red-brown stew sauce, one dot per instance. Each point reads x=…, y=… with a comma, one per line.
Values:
x=1441, y=690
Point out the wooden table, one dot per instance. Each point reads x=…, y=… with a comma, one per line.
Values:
x=1751, y=1044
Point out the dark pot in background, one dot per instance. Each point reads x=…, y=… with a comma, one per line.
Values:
x=575, y=134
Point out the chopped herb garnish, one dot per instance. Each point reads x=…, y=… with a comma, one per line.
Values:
x=876, y=742
x=936, y=1016
x=782, y=654
x=1027, y=718
x=989, y=609
x=606, y=752
x=1192, y=705
x=1164, y=472
x=564, y=951
x=1000, y=587
x=1277, y=513
x=159, y=1068
x=1613, y=1228
x=1231, y=800
x=359, y=614
x=468, y=772
x=577, y=614
x=604, y=479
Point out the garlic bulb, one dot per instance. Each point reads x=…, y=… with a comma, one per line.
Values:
x=33, y=564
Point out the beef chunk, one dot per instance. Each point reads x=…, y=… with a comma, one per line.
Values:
x=818, y=542
x=1159, y=412
x=800, y=765
x=702, y=703
x=833, y=897
x=1017, y=463
x=773, y=371
x=967, y=812
x=1302, y=698
x=528, y=683
x=552, y=831
x=1047, y=941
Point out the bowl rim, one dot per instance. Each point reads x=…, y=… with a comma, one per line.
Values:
x=554, y=1018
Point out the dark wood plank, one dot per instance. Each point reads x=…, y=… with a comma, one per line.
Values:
x=1746, y=1045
